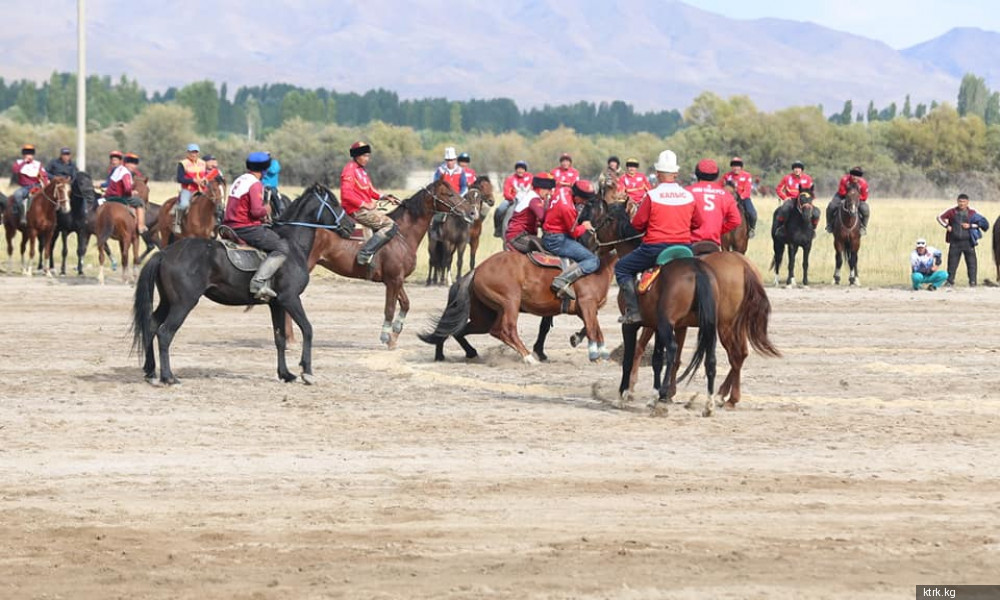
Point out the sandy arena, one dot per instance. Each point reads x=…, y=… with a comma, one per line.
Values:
x=863, y=462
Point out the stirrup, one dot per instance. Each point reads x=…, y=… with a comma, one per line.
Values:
x=628, y=318
x=563, y=291
x=263, y=291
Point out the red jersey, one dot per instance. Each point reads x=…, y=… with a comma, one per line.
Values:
x=355, y=187
x=743, y=182
x=862, y=187
x=470, y=175
x=516, y=183
x=789, y=185
x=565, y=177
x=120, y=183
x=29, y=173
x=455, y=178
x=635, y=186
x=667, y=215
x=188, y=174
x=717, y=210
x=561, y=217
x=245, y=207
x=528, y=215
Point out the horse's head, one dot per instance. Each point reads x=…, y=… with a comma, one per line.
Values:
x=446, y=200
x=805, y=200
x=594, y=210
x=316, y=206
x=730, y=185
x=852, y=198
x=141, y=187
x=216, y=189
x=611, y=192
x=57, y=192
x=81, y=194
x=485, y=187
x=616, y=226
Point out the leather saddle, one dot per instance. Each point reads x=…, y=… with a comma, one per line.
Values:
x=550, y=261
x=668, y=255
x=244, y=258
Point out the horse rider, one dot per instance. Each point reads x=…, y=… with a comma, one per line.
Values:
x=191, y=171
x=212, y=170
x=246, y=214
x=451, y=172
x=715, y=206
x=856, y=176
x=30, y=175
x=565, y=176
x=121, y=189
x=610, y=174
x=517, y=183
x=633, y=182
x=358, y=196
x=788, y=190
x=114, y=161
x=63, y=166
x=744, y=184
x=560, y=232
x=463, y=163
x=528, y=213
x=667, y=215
x=270, y=182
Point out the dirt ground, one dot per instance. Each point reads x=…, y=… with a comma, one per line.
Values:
x=863, y=462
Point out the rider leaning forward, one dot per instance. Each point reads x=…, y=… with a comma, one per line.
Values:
x=561, y=232
x=528, y=213
x=667, y=214
x=247, y=214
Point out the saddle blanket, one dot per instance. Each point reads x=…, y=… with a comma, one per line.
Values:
x=668, y=255
x=244, y=258
x=550, y=261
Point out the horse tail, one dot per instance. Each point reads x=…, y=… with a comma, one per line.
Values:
x=142, y=305
x=755, y=312
x=456, y=312
x=704, y=303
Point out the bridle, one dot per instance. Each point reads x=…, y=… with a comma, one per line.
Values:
x=61, y=197
x=452, y=209
x=605, y=220
x=324, y=206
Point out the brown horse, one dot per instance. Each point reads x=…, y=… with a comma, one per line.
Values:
x=743, y=313
x=397, y=259
x=738, y=239
x=489, y=299
x=451, y=235
x=117, y=221
x=484, y=189
x=41, y=219
x=847, y=235
x=201, y=219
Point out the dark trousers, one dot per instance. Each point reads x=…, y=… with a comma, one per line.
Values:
x=956, y=250
x=264, y=239
x=637, y=261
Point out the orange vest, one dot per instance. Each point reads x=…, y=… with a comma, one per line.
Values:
x=194, y=170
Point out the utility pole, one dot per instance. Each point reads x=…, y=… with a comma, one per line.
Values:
x=81, y=85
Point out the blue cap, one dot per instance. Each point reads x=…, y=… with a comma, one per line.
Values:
x=193, y=148
x=258, y=157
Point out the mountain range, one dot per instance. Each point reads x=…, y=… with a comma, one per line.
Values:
x=654, y=54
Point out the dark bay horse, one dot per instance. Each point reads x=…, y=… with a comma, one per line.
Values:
x=490, y=298
x=397, y=259
x=12, y=226
x=847, y=235
x=453, y=234
x=742, y=318
x=996, y=247
x=201, y=220
x=738, y=239
x=195, y=267
x=798, y=233
x=46, y=203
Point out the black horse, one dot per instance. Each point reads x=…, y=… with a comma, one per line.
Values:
x=194, y=267
x=796, y=233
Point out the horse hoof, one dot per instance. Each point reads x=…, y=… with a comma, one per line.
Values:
x=707, y=411
x=729, y=405
x=287, y=377
x=384, y=338
x=308, y=379
x=152, y=380
x=574, y=340
x=530, y=360
x=170, y=381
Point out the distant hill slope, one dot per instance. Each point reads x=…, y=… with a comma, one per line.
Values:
x=534, y=51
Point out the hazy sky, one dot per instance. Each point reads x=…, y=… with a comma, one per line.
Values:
x=898, y=23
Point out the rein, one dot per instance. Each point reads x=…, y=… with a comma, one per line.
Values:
x=324, y=203
x=53, y=201
x=452, y=209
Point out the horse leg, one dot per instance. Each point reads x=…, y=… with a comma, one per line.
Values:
x=792, y=252
x=852, y=261
x=665, y=331
x=123, y=249
x=805, y=264
x=278, y=328
x=65, y=251
x=543, y=331
x=838, y=257
x=28, y=270
x=656, y=361
x=505, y=329
x=596, y=350
x=636, y=362
x=629, y=333
x=157, y=318
x=393, y=288
x=82, y=241
x=102, y=252
x=165, y=336
x=579, y=336
x=680, y=334
x=779, y=256
x=400, y=319
x=737, y=352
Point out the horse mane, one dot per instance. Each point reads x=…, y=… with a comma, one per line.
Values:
x=617, y=213
x=296, y=208
x=413, y=206
x=482, y=179
x=81, y=194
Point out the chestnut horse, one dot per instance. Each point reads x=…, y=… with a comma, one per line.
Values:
x=398, y=258
x=738, y=239
x=847, y=235
x=453, y=235
x=201, y=220
x=51, y=199
x=490, y=298
x=744, y=311
x=117, y=221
